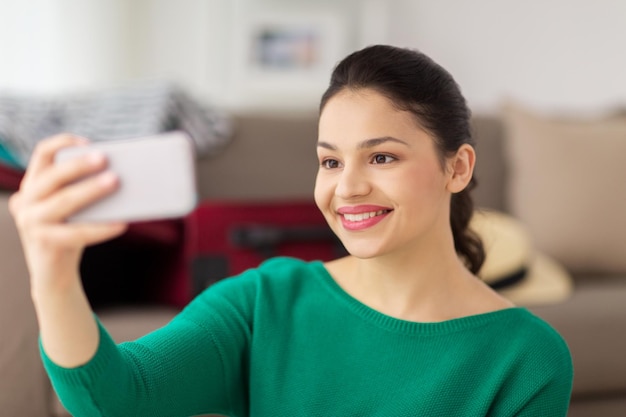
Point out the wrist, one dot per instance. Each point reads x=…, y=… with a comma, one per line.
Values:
x=44, y=290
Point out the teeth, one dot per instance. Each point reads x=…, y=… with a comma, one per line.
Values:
x=363, y=216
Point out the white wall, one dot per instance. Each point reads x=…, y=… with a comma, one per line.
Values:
x=51, y=46
x=565, y=54
x=556, y=54
x=61, y=46
x=183, y=40
x=18, y=41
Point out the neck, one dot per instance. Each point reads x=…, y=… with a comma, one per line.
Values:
x=417, y=284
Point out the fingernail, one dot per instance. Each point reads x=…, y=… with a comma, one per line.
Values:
x=108, y=178
x=80, y=139
x=96, y=158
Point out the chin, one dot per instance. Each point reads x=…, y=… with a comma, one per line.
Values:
x=362, y=250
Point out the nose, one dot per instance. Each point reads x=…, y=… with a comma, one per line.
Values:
x=352, y=182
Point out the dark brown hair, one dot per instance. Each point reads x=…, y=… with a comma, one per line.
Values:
x=413, y=82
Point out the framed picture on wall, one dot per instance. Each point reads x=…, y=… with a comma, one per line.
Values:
x=285, y=57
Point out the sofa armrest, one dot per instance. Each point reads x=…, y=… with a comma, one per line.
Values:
x=24, y=387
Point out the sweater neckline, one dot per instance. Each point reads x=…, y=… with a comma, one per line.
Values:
x=405, y=326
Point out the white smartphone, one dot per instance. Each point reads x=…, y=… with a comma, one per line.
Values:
x=156, y=174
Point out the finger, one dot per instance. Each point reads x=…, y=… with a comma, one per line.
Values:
x=82, y=234
x=43, y=154
x=56, y=176
x=14, y=203
x=53, y=243
x=72, y=198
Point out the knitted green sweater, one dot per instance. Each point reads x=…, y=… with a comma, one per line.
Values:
x=286, y=340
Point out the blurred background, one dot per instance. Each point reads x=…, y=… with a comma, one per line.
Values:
x=108, y=69
x=277, y=54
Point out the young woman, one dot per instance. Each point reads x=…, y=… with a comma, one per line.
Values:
x=400, y=327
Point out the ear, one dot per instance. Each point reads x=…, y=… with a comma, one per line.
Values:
x=461, y=168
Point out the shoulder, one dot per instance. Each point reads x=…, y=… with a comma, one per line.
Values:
x=530, y=326
x=275, y=279
x=536, y=369
x=267, y=291
x=286, y=265
x=520, y=344
x=280, y=272
x=533, y=341
x=289, y=275
x=523, y=326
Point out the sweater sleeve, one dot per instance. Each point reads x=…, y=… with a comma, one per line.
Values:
x=194, y=365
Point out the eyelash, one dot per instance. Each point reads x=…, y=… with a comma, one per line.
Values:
x=326, y=162
x=388, y=159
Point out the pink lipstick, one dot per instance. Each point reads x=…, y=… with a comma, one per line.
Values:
x=362, y=217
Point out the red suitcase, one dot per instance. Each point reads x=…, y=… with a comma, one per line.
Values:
x=225, y=238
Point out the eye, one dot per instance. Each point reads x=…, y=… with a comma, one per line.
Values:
x=330, y=163
x=382, y=159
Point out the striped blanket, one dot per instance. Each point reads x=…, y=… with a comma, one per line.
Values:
x=138, y=110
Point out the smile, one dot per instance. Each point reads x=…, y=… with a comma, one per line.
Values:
x=363, y=216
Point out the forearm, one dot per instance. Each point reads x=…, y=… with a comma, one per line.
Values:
x=69, y=333
x=49, y=194
x=175, y=370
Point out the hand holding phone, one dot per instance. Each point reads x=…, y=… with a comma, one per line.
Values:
x=156, y=176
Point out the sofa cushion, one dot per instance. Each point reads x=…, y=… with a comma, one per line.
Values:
x=22, y=377
x=592, y=321
x=565, y=184
x=491, y=171
x=271, y=156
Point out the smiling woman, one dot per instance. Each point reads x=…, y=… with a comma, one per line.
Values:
x=399, y=327
x=429, y=105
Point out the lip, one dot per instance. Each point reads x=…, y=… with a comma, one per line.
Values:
x=364, y=223
x=364, y=208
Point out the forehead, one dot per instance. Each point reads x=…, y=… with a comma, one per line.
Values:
x=365, y=113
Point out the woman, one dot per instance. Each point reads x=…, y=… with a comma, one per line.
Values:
x=400, y=327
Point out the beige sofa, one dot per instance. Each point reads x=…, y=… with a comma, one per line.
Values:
x=265, y=146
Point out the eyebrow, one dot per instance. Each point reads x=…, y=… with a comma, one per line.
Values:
x=366, y=144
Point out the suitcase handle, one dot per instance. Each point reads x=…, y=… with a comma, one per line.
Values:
x=263, y=237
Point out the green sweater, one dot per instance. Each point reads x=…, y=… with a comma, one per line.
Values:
x=286, y=340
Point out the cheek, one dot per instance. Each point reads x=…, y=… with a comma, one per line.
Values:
x=421, y=182
x=320, y=194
